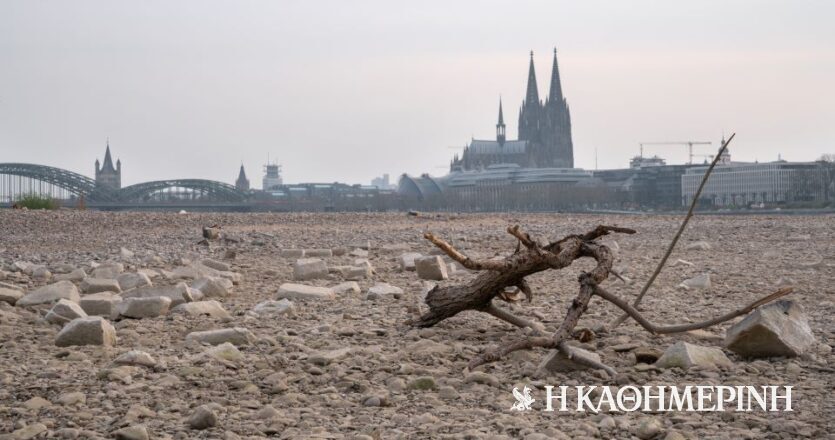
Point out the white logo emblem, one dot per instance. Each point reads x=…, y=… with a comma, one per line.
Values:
x=523, y=399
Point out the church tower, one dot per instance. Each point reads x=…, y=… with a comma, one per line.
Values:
x=557, y=124
x=500, y=127
x=108, y=176
x=530, y=112
x=242, y=183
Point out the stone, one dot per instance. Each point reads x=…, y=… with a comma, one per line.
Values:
x=50, y=294
x=10, y=295
x=136, y=357
x=198, y=308
x=291, y=253
x=132, y=280
x=482, y=378
x=431, y=268
x=346, y=288
x=185, y=273
x=202, y=418
x=698, y=246
x=64, y=311
x=96, y=285
x=607, y=422
x=422, y=383
x=36, y=403
x=125, y=254
x=777, y=329
x=76, y=275
x=280, y=307
x=320, y=253
x=448, y=393
x=407, y=260
x=217, y=265
x=108, y=270
x=101, y=304
x=361, y=253
x=136, y=432
x=93, y=330
x=309, y=269
x=382, y=290
x=178, y=294
x=212, y=287
x=236, y=336
x=41, y=274
x=557, y=361
x=225, y=352
x=326, y=357
x=698, y=282
x=72, y=398
x=359, y=272
x=684, y=356
x=29, y=431
x=139, y=308
x=649, y=428
x=303, y=292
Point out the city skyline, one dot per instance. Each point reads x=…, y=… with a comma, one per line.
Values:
x=300, y=84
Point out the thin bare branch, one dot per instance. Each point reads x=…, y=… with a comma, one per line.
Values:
x=571, y=353
x=518, y=321
x=656, y=329
x=523, y=237
x=465, y=261
x=672, y=245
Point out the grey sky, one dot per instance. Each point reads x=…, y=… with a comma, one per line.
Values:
x=348, y=90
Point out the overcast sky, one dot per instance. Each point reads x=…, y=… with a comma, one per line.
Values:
x=348, y=90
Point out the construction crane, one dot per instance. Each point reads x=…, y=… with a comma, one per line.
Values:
x=688, y=143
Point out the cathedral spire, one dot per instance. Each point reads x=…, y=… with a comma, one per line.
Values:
x=500, y=127
x=532, y=95
x=108, y=161
x=242, y=183
x=555, y=95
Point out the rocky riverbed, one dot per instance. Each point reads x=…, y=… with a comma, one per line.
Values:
x=292, y=326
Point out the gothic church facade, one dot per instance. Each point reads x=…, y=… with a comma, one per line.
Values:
x=544, y=139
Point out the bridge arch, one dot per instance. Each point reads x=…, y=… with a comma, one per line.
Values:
x=73, y=183
x=182, y=190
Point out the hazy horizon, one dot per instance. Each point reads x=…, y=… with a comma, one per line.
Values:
x=348, y=91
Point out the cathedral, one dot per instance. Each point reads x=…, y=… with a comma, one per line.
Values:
x=544, y=139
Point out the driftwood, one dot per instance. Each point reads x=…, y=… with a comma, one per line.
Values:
x=672, y=244
x=531, y=257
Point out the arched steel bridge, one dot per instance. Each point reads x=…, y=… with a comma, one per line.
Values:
x=82, y=186
x=207, y=189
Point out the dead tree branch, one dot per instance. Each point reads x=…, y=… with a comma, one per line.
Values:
x=655, y=329
x=448, y=301
x=673, y=243
x=497, y=275
x=465, y=261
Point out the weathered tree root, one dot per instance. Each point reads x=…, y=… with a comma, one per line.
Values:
x=447, y=301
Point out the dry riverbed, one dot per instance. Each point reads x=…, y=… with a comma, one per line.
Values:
x=345, y=365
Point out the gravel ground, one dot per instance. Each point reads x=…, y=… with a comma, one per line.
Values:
x=394, y=381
